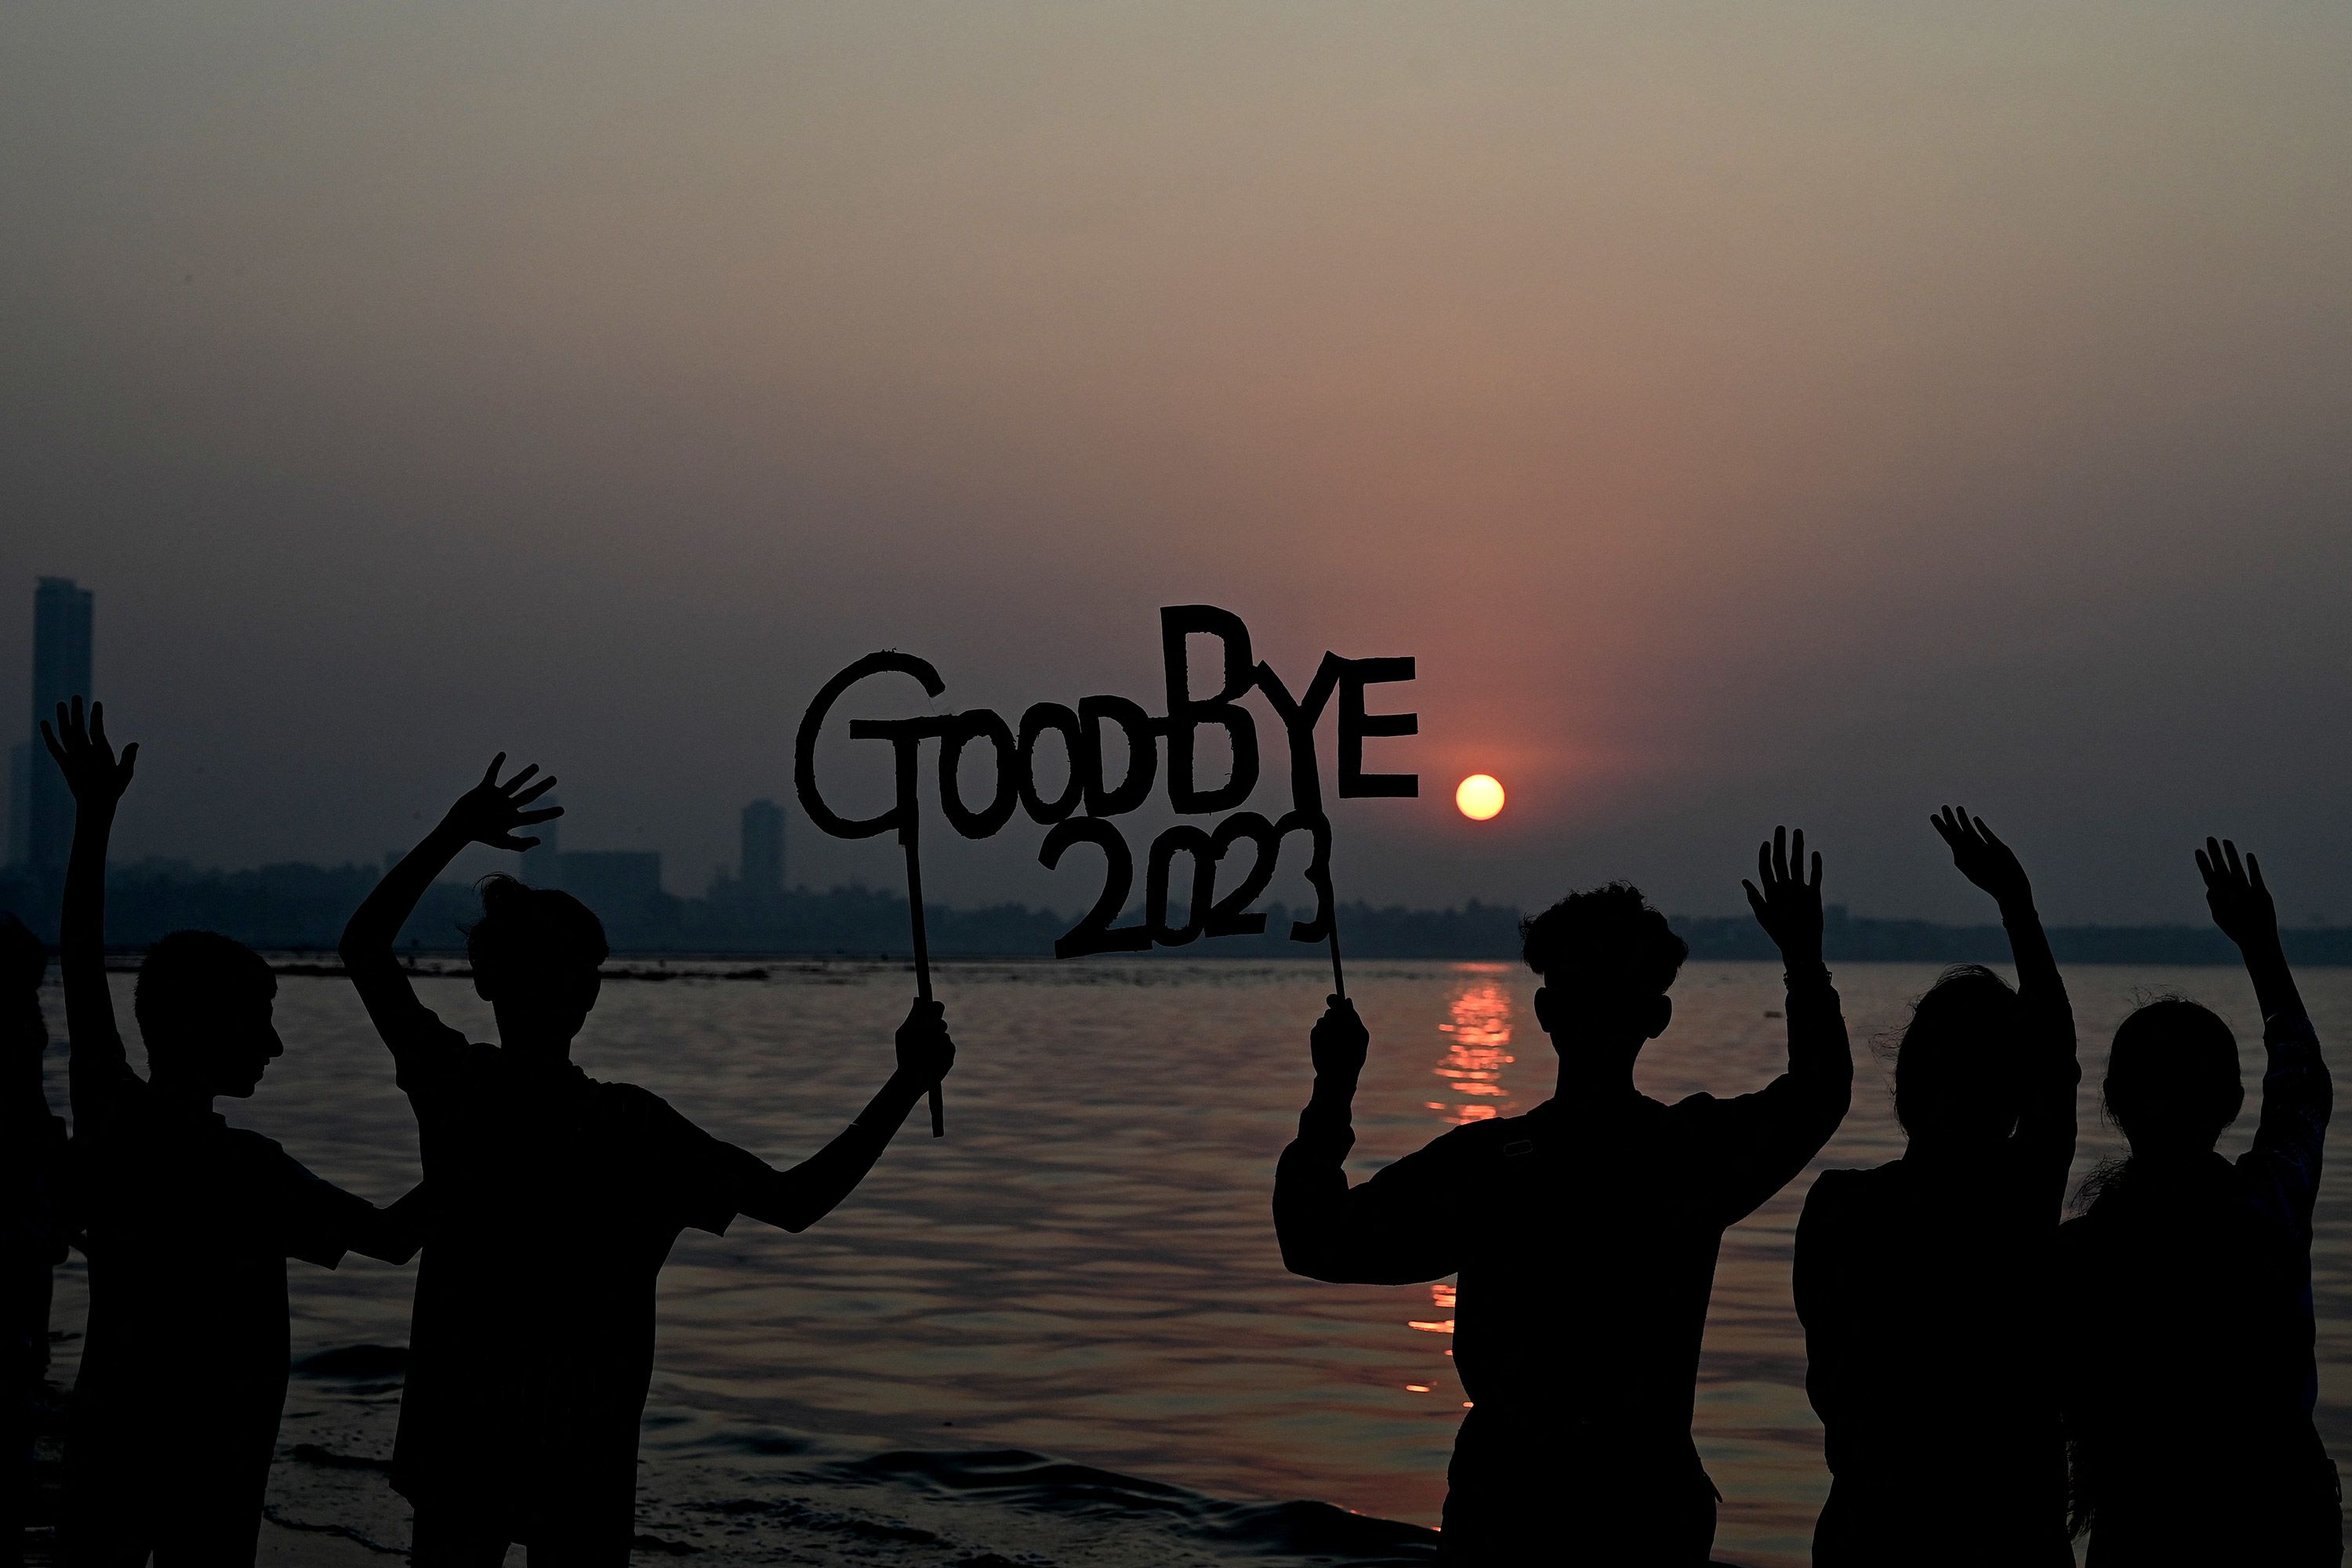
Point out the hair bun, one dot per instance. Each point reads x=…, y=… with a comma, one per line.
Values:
x=497, y=888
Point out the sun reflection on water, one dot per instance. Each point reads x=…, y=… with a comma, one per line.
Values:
x=1477, y=1048
x=1477, y=1033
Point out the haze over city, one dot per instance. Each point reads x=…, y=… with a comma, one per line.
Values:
x=1811, y=417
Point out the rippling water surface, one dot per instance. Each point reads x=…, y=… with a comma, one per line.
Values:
x=1063, y=1334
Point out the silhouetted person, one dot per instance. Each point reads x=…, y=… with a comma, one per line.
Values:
x=1585, y=1231
x=2190, y=1371
x=554, y=1200
x=187, y=1223
x=1927, y=1285
x=32, y=1219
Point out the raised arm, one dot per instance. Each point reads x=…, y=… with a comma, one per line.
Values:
x=1787, y=899
x=797, y=1198
x=490, y=812
x=2046, y=1119
x=1389, y=1230
x=2242, y=906
x=99, y=1073
x=1768, y=1136
x=2297, y=1094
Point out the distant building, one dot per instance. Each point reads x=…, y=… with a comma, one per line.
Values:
x=542, y=863
x=61, y=661
x=762, y=870
x=620, y=885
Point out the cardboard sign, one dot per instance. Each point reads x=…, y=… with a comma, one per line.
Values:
x=1080, y=811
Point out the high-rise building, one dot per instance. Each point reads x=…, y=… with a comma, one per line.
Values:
x=62, y=628
x=762, y=870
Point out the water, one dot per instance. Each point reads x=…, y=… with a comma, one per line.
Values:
x=1063, y=1334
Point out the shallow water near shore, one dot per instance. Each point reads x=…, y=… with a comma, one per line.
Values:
x=1062, y=1335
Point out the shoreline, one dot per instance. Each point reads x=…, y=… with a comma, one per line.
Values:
x=331, y=1506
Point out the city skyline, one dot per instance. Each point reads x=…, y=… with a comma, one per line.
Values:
x=750, y=903
x=619, y=876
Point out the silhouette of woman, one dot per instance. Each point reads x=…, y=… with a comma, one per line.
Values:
x=553, y=1200
x=1925, y=1285
x=2190, y=1383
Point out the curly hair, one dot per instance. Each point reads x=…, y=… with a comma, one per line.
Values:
x=1611, y=932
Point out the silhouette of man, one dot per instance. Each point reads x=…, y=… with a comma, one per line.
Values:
x=32, y=1219
x=1584, y=1232
x=187, y=1223
x=1927, y=1286
x=555, y=1199
x=2190, y=1374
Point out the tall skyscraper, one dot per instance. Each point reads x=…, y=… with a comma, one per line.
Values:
x=62, y=628
x=763, y=871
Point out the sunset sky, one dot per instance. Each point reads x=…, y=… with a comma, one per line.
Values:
x=1744, y=414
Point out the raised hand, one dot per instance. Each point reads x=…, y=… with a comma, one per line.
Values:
x=925, y=1051
x=95, y=774
x=1788, y=903
x=490, y=812
x=22, y=959
x=1982, y=858
x=1340, y=1042
x=2234, y=892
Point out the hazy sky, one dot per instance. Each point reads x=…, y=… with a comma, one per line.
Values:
x=1743, y=413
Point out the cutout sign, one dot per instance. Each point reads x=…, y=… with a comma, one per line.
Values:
x=1103, y=782
x=1080, y=810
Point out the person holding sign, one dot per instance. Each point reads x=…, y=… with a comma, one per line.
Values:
x=553, y=1199
x=1583, y=1290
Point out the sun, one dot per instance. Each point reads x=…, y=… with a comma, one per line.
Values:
x=1480, y=796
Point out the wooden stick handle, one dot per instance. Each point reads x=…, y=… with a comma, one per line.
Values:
x=923, y=966
x=1331, y=905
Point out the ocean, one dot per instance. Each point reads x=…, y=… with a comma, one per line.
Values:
x=1062, y=1335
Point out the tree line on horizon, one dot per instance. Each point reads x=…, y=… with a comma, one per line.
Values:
x=297, y=908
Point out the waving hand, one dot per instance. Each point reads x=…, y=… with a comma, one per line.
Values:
x=1983, y=858
x=95, y=774
x=2234, y=891
x=490, y=812
x=1788, y=903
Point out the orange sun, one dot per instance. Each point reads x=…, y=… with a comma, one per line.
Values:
x=1480, y=796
